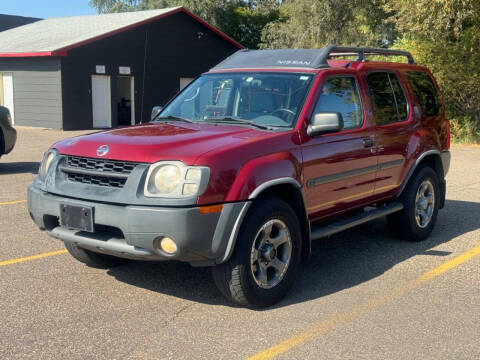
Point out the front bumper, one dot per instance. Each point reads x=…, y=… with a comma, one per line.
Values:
x=131, y=231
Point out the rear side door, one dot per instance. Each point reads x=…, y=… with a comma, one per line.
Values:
x=393, y=128
x=339, y=168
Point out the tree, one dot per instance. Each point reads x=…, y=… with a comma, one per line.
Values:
x=205, y=9
x=445, y=36
x=108, y=6
x=313, y=24
x=245, y=21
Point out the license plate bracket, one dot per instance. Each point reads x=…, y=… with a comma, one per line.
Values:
x=77, y=217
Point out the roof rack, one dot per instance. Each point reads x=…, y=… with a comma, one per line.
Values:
x=363, y=52
x=302, y=58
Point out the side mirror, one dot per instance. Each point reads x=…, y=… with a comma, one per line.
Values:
x=155, y=111
x=323, y=123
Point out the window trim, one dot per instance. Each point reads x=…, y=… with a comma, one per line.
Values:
x=362, y=107
x=405, y=93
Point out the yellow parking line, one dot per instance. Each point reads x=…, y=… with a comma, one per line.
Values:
x=322, y=328
x=33, y=257
x=13, y=202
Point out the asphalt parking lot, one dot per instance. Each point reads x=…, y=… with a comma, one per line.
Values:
x=362, y=295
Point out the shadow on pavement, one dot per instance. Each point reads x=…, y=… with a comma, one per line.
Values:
x=19, y=168
x=340, y=262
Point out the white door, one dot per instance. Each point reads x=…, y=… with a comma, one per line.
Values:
x=101, y=101
x=7, y=83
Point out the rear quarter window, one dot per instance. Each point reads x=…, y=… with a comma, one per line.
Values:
x=389, y=101
x=425, y=92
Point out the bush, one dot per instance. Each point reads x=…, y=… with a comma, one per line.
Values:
x=464, y=130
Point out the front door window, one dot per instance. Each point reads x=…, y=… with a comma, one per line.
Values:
x=340, y=94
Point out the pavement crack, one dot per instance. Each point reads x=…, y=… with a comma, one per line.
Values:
x=177, y=314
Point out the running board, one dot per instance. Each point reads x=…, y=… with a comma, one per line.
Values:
x=344, y=224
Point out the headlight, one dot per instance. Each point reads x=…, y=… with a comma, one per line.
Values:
x=48, y=158
x=173, y=179
x=167, y=178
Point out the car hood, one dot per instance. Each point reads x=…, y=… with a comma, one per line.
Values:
x=153, y=142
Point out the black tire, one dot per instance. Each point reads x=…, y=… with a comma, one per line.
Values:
x=2, y=144
x=93, y=259
x=235, y=278
x=404, y=223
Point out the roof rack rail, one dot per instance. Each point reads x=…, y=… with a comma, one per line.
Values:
x=301, y=58
x=362, y=52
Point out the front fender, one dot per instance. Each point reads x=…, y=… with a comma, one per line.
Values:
x=265, y=169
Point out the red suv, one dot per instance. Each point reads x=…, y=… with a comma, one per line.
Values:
x=256, y=158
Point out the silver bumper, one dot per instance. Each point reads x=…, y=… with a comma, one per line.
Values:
x=131, y=231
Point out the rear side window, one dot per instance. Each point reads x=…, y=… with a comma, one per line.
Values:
x=425, y=92
x=340, y=94
x=389, y=101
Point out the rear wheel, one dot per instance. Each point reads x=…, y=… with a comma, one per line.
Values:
x=93, y=259
x=266, y=257
x=420, y=206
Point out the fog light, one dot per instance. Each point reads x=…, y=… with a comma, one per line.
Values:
x=168, y=245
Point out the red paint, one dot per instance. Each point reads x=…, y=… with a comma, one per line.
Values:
x=30, y=54
x=151, y=142
x=63, y=51
x=241, y=159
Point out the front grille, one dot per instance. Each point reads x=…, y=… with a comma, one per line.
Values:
x=108, y=173
x=123, y=167
x=95, y=180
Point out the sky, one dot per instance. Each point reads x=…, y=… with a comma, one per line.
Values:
x=46, y=8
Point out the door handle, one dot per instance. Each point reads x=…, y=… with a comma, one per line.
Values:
x=367, y=142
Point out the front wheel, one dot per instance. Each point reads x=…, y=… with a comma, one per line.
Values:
x=420, y=207
x=266, y=257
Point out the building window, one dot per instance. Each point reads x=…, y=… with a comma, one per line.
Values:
x=184, y=81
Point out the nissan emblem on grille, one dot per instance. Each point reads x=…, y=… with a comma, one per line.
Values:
x=103, y=150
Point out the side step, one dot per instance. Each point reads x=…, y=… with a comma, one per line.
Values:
x=344, y=224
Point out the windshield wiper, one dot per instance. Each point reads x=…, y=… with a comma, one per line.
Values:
x=231, y=120
x=174, y=118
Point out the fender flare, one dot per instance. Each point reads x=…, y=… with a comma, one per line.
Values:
x=415, y=166
x=243, y=212
x=284, y=180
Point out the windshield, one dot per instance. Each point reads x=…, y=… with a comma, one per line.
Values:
x=258, y=99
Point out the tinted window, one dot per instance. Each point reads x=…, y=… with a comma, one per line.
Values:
x=389, y=101
x=425, y=91
x=399, y=97
x=340, y=94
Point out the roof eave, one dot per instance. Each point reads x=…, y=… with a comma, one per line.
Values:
x=33, y=54
x=64, y=50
